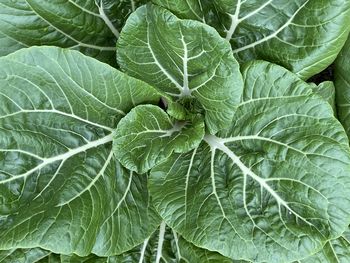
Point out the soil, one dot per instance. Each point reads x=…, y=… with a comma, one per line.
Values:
x=325, y=75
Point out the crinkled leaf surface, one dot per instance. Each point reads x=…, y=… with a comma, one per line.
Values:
x=59, y=181
x=183, y=58
x=304, y=36
x=342, y=84
x=335, y=251
x=164, y=246
x=34, y=255
x=91, y=26
x=147, y=136
x=271, y=188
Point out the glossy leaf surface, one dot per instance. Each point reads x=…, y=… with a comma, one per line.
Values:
x=59, y=180
x=271, y=188
x=185, y=59
x=304, y=36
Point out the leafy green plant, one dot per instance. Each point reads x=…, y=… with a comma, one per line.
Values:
x=198, y=141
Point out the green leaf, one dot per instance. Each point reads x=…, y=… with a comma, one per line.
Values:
x=304, y=36
x=342, y=84
x=177, y=111
x=90, y=26
x=337, y=251
x=164, y=245
x=271, y=188
x=187, y=9
x=59, y=181
x=148, y=136
x=326, y=90
x=8, y=45
x=90, y=259
x=201, y=10
x=34, y=255
x=185, y=59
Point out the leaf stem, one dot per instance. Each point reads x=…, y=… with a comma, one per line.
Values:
x=160, y=241
x=105, y=18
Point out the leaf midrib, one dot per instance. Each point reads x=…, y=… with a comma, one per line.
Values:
x=216, y=143
x=62, y=157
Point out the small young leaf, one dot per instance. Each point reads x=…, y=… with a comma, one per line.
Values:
x=274, y=187
x=147, y=136
x=183, y=58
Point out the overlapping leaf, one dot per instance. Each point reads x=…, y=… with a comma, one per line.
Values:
x=304, y=36
x=59, y=181
x=201, y=10
x=90, y=26
x=119, y=11
x=185, y=59
x=271, y=188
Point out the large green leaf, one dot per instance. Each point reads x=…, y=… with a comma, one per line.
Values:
x=183, y=58
x=164, y=246
x=34, y=255
x=60, y=186
x=91, y=26
x=147, y=136
x=304, y=36
x=342, y=85
x=274, y=187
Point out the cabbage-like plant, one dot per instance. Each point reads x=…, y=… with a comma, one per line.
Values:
x=174, y=131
